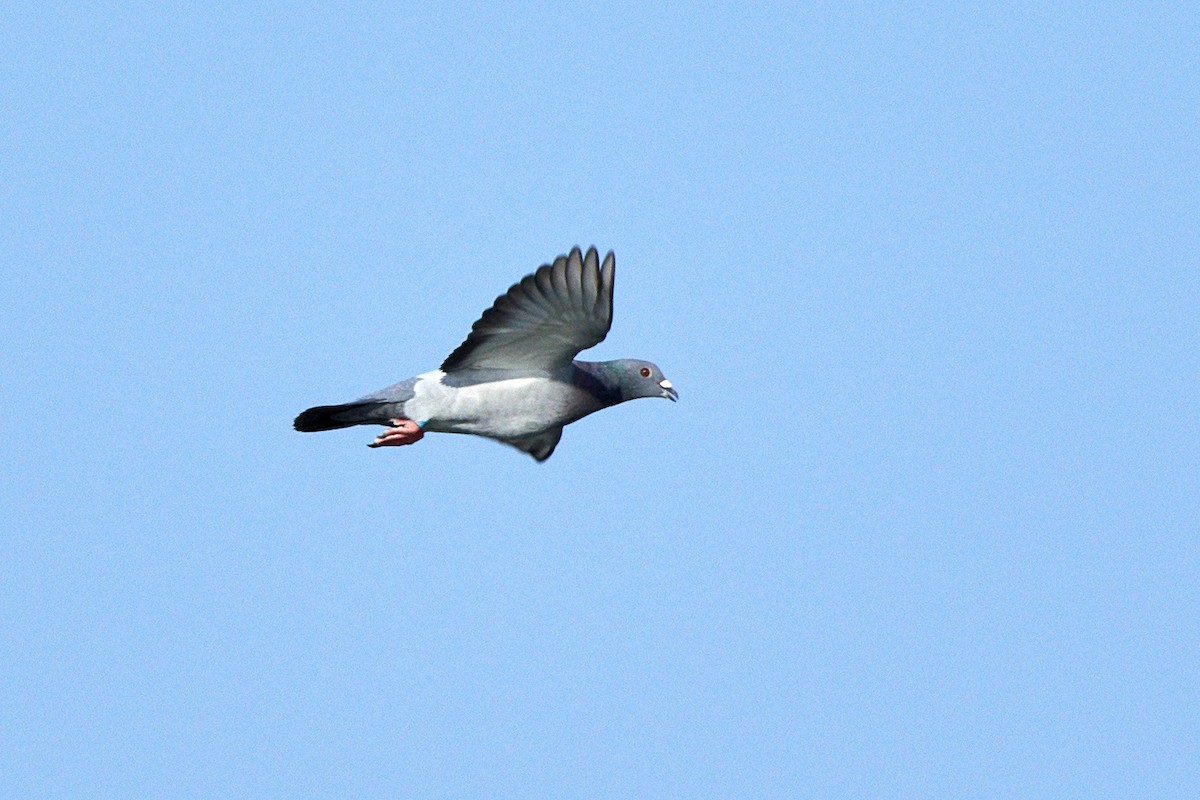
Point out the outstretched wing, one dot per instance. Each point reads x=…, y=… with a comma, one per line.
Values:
x=544, y=321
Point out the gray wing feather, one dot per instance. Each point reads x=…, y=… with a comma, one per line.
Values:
x=540, y=446
x=604, y=301
x=544, y=320
x=574, y=282
x=396, y=393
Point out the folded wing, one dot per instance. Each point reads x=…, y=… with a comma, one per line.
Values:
x=545, y=320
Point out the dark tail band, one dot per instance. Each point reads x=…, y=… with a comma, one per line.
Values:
x=330, y=418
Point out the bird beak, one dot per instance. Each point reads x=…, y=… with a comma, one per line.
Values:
x=668, y=390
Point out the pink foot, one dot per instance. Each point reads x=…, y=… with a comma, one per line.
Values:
x=405, y=432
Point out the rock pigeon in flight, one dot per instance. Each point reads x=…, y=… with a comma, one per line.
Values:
x=514, y=379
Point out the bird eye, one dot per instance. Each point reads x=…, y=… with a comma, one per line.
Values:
x=645, y=372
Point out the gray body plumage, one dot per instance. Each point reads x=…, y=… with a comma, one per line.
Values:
x=515, y=379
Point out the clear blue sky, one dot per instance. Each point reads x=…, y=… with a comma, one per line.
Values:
x=925, y=523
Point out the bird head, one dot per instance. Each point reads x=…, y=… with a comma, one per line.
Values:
x=641, y=379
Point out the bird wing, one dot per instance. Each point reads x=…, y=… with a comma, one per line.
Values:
x=540, y=446
x=542, y=322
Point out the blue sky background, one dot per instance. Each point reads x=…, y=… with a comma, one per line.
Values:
x=924, y=523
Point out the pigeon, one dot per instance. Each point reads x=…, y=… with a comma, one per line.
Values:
x=515, y=378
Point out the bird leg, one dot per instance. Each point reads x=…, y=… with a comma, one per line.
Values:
x=405, y=432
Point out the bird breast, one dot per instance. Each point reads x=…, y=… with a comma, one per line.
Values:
x=512, y=408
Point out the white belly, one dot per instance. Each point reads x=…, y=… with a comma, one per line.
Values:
x=505, y=409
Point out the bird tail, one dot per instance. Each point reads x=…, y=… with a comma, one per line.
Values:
x=329, y=418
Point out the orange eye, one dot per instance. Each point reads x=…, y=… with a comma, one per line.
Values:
x=645, y=372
